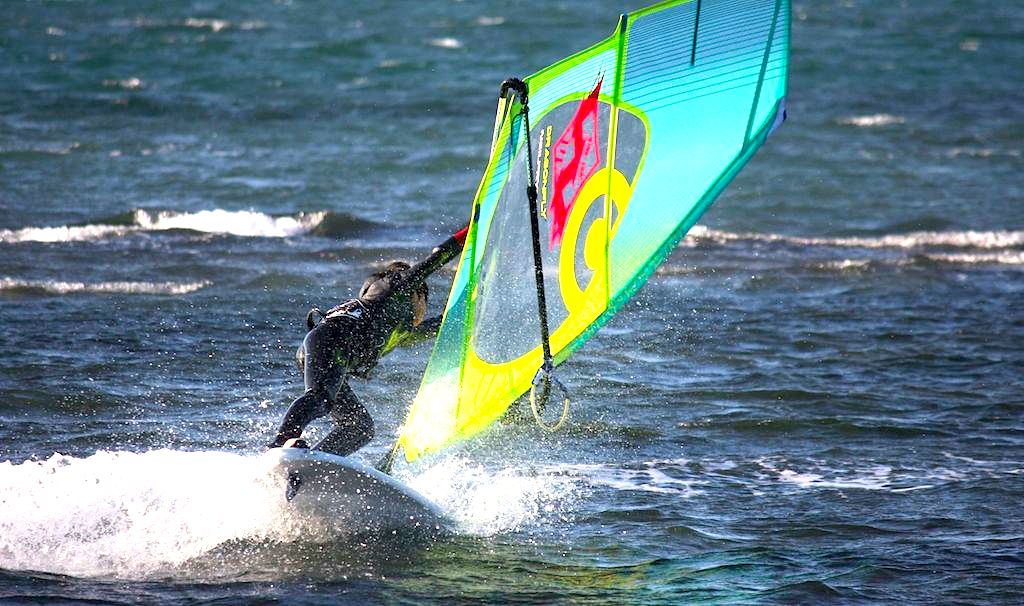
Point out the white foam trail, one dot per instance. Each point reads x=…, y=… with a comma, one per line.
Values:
x=446, y=43
x=214, y=25
x=134, y=288
x=919, y=239
x=814, y=475
x=56, y=149
x=846, y=264
x=872, y=120
x=218, y=221
x=126, y=83
x=982, y=152
x=490, y=21
x=877, y=477
x=131, y=515
x=999, y=258
x=648, y=479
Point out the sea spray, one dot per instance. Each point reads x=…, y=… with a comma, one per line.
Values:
x=484, y=500
x=148, y=515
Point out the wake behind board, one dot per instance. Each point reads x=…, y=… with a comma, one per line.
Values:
x=350, y=495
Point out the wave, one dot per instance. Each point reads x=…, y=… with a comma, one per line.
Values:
x=919, y=239
x=872, y=120
x=57, y=287
x=446, y=43
x=490, y=21
x=998, y=247
x=1012, y=258
x=997, y=258
x=235, y=223
x=242, y=223
x=48, y=149
x=213, y=25
x=989, y=247
x=846, y=265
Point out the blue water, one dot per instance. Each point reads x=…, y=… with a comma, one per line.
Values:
x=817, y=399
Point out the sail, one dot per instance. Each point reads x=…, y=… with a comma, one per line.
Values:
x=631, y=139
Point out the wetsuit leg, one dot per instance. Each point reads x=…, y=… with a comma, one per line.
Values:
x=323, y=376
x=353, y=425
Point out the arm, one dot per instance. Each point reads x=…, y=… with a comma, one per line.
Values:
x=445, y=252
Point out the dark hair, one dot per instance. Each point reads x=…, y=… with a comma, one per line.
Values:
x=391, y=272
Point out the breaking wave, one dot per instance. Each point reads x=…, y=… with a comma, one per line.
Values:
x=58, y=287
x=861, y=253
x=218, y=221
x=996, y=258
x=872, y=120
x=919, y=239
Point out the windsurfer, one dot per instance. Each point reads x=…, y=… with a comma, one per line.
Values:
x=350, y=339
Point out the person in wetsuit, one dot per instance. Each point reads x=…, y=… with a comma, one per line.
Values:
x=350, y=339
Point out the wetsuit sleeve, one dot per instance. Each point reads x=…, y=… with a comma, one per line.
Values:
x=445, y=252
x=426, y=330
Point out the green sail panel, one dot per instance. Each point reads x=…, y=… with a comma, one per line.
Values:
x=632, y=140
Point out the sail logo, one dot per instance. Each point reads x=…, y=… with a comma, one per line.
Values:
x=601, y=203
x=577, y=157
x=544, y=169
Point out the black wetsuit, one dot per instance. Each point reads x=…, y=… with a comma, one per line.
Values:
x=350, y=340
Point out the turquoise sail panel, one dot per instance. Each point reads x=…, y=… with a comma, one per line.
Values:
x=699, y=114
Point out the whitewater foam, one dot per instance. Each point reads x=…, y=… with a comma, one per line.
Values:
x=59, y=287
x=815, y=475
x=872, y=120
x=235, y=223
x=55, y=149
x=919, y=239
x=446, y=42
x=218, y=221
x=649, y=478
x=998, y=258
x=490, y=21
x=152, y=515
x=846, y=264
x=132, y=515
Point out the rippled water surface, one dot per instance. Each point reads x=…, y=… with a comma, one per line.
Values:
x=817, y=399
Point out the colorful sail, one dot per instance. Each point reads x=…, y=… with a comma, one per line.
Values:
x=632, y=140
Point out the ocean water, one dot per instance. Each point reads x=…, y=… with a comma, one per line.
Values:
x=817, y=399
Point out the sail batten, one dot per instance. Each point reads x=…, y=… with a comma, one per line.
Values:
x=632, y=138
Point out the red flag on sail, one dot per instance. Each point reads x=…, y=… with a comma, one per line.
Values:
x=576, y=157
